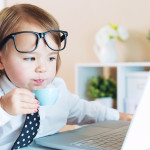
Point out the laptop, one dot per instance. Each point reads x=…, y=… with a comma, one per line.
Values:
x=107, y=135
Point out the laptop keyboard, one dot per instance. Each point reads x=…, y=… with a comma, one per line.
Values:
x=111, y=140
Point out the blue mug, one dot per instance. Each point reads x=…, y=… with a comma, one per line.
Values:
x=47, y=96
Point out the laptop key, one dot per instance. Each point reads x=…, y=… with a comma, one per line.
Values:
x=109, y=140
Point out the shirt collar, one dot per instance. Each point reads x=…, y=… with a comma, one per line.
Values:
x=5, y=84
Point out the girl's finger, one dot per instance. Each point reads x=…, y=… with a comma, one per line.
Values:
x=25, y=105
x=29, y=99
x=28, y=111
x=23, y=91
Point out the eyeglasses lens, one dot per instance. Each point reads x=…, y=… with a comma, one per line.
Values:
x=53, y=39
x=27, y=42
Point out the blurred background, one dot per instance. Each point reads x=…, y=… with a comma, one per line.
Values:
x=83, y=18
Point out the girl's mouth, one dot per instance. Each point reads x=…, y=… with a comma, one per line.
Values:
x=39, y=81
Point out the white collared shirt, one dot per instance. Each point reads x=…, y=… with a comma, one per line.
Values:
x=69, y=109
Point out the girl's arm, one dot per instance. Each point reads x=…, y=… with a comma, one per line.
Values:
x=85, y=112
x=81, y=111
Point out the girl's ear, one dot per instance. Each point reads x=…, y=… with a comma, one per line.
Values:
x=1, y=63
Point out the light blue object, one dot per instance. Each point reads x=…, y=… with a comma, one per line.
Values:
x=46, y=96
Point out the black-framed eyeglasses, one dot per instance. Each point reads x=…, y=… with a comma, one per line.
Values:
x=27, y=41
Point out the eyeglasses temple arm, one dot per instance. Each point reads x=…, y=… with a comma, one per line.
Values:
x=63, y=36
x=5, y=40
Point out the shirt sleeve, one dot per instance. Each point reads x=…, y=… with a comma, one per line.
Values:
x=4, y=116
x=86, y=112
x=82, y=111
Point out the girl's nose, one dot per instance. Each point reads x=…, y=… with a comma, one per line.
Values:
x=40, y=69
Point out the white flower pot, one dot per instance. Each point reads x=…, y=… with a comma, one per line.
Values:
x=107, y=53
x=107, y=101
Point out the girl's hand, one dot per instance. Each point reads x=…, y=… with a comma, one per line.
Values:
x=19, y=101
x=125, y=116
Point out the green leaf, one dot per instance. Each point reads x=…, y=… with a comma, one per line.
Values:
x=99, y=86
x=115, y=27
x=111, y=37
x=119, y=38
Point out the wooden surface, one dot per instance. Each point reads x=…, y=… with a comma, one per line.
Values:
x=67, y=128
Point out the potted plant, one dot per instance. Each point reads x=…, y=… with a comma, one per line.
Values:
x=105, y=90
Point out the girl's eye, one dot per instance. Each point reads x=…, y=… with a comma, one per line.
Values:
x=30, y=59
x=51, y=58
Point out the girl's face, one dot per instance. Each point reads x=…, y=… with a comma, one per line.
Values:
x=32, y=70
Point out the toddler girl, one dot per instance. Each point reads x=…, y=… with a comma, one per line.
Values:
x=30, y=41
